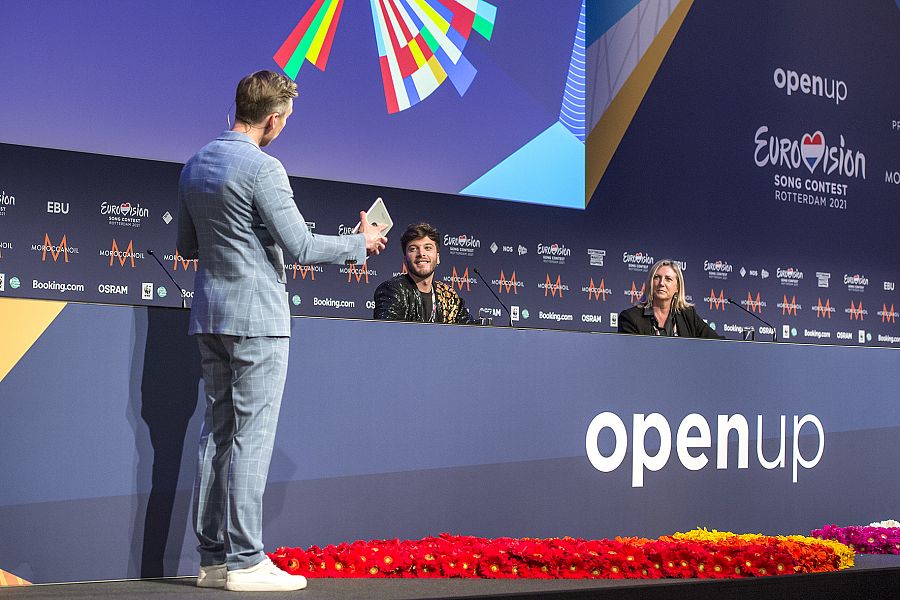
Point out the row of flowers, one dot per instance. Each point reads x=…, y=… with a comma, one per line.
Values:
x=877, y=538
x=698, y=553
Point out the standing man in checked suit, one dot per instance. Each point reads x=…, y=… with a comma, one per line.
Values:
x=238, y=217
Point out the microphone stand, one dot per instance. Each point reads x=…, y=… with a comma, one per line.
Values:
x=481, y=277
x=169, y=275
x=766, y=323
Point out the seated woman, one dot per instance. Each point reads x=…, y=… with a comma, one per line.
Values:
x=663, y=309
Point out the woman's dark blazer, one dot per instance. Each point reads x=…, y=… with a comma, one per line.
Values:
x=688, y=322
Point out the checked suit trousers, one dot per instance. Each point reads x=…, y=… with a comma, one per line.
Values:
x=244, y=381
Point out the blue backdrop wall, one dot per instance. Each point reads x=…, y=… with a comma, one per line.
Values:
x=770, y=170
x=98, y=452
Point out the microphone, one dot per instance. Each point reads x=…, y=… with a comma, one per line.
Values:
x=760, y=319
x=481, y=277
x=169, y=275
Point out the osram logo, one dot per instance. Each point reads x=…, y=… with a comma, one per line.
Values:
x=597, y=292
x=693, y=441
x=504, y=284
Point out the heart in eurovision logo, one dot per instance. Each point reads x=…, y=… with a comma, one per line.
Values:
x=812, y=149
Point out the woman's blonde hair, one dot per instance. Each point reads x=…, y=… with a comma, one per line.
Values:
x=679, y=301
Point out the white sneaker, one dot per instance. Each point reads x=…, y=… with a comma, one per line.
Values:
x=263, y=577
x=212, y=576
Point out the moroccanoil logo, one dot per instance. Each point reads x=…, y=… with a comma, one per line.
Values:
x=789, y=307
x=459, y=281
x=177, y=259
x=856, y=312
x=754, y=304
x=402, y=271
x=551, y=288
x=823, y=311
x=716, y=302
x=634, y=294
x=56, y=250
x=504, y=284
x=123, y=256
x=359, y=272
x=887, y=315
x=597, y=292
x=305, y=270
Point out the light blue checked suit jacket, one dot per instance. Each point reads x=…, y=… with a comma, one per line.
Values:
x=237, y=214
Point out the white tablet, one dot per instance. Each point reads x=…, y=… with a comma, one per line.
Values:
x=377, y=215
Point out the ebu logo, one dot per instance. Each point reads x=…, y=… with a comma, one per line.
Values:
x=686, y=441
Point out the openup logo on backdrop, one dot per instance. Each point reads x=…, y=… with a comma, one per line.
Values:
x=692, y=448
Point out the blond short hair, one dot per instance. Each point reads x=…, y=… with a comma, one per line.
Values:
x=261, y=94
x=679, y=301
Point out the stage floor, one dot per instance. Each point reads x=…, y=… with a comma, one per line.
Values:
x=873, y=578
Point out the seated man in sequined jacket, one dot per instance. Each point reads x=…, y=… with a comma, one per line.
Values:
x=416, y=295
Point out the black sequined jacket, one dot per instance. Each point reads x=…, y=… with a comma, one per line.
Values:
x=398, y=299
